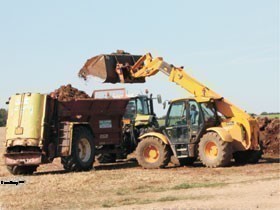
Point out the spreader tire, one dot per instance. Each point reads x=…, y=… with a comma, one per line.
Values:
x=83, y=151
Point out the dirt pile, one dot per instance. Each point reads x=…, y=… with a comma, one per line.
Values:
x=68, y=93
x=270, y=133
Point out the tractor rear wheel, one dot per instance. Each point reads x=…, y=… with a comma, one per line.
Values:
x=151, y=152
x=83, y=151
x=22, y=170
x=213, y=151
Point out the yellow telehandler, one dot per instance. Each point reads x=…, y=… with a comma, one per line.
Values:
x=207, y=126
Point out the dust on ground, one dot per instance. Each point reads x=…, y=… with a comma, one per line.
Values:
x=125, y=185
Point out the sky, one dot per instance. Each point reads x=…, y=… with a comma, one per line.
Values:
x=230, y=46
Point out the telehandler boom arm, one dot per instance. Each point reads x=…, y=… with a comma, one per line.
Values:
x=202, y=94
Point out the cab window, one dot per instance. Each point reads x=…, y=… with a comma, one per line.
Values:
x=209, y=112
x=177, y=112
x=194, y=113
x=142, y=106
x=130, y=109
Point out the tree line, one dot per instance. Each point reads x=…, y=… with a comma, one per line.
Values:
x=269, y=113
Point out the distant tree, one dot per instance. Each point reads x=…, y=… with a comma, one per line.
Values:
x=3, y=117
x=264, y=113
x=253, y=114
x=273, y=113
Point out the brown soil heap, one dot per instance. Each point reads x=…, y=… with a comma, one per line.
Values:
x=68, y=93
x=270, y=135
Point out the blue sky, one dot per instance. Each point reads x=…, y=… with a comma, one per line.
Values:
x=231, y=46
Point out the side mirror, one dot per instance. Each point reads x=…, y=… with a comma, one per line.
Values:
x=159, y=99
x=164, y=104
x=8, y=102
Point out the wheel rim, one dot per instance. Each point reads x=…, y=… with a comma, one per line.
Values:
x=211, y=150
x=151, y=154
x=84, y=150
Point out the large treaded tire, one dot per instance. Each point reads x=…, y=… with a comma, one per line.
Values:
x=22, y=170
x=161, y=153
x=213, y=151
x=82, y=142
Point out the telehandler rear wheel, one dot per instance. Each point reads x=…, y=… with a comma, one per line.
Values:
x=83, y=151
x=151, y=152
x=22, y=170
x=213, y=151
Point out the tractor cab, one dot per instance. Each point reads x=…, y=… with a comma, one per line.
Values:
x=140, y=110
x=139, y=117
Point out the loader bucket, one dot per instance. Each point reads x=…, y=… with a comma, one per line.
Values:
x=104, y=67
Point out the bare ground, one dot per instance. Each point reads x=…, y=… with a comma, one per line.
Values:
x=127, y=186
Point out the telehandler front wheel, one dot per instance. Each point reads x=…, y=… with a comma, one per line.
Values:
x=151, y=152
x=213, y=151
x=22, y=170
x=83, y=151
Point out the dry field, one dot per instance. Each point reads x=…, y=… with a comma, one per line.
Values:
x=127, y=186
